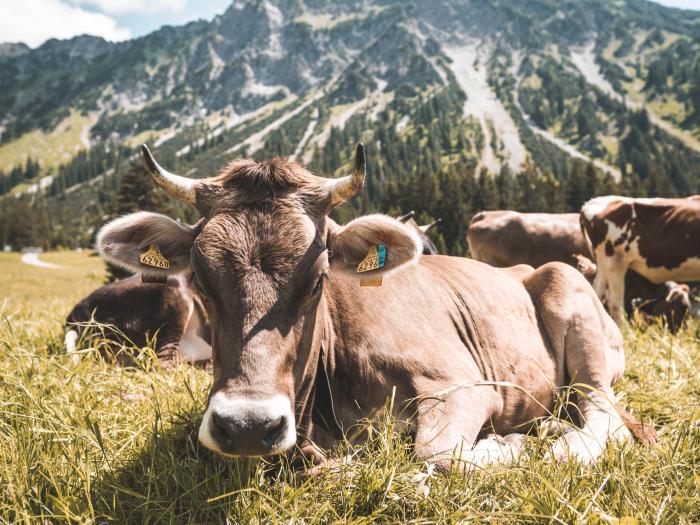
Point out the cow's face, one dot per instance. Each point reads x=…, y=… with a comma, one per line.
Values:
x=260, y=257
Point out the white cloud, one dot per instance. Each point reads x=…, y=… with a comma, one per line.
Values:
x=119, y=7
x=35, y=21
x=683, y=4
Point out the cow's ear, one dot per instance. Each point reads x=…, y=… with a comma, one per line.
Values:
x=148, y=243
x=359, y=240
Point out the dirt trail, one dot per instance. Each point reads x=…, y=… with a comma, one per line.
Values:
x=32, y=259
x=549, y=136
x=470, y=69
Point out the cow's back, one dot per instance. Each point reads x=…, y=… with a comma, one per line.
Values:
x=657, y=237
x=507, y=238
x=137, y=310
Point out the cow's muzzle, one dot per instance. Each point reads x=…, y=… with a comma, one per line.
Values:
x=240, y=427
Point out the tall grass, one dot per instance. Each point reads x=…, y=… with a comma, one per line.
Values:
x=101, y=443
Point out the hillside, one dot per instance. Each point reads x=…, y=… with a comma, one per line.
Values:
x=557, y=100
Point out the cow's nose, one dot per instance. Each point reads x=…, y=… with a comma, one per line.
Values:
x=248, y=434
x=243, y=427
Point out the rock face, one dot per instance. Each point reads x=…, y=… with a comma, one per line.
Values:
x=534, y=77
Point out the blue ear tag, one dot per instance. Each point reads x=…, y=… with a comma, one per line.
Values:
x=381, y=255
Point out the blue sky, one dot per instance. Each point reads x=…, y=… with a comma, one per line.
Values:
x=35, y=21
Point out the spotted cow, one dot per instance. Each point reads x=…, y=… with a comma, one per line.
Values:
x=658, y=238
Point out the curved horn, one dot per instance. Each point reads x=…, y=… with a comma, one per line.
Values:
x=425, y=227
x=406, y=216
x=179, y=187
x=346, y=188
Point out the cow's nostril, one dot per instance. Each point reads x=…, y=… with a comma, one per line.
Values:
x=222, y=426
x=275, y=432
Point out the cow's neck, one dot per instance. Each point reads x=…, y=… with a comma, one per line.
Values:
x=314, y=402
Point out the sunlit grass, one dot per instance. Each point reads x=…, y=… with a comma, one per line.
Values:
x=101, y=443
x=51, y=148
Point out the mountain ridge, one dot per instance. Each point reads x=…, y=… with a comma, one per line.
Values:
x=466, y=85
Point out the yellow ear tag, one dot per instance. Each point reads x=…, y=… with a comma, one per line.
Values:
x=153, y=257
x=375, y=259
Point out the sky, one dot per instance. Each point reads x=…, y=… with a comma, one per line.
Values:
x=35, y=21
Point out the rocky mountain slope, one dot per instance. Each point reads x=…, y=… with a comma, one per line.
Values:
x=484, y=85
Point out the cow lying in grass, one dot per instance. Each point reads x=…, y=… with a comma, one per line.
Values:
x=466, y=349
x=130, y=312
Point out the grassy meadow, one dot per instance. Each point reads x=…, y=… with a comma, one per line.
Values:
x=98, y=443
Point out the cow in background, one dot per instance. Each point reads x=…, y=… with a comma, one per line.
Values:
x=657, y=238
x=429, y=247
x=669, y=301
x=506, y=238
x=137, y=312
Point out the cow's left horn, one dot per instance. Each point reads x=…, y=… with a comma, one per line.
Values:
x=179, y=187
x=346, y=188
x=425, y=227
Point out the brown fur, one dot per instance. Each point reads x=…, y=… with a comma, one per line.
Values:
x=140, y=311
x=506, y=238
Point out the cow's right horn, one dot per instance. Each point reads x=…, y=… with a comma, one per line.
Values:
x=346, y=188
x=179, y=187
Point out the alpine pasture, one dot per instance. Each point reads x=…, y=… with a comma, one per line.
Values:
x=99, y=443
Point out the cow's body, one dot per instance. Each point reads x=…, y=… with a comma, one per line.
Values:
x=292, y=325
x=138, y=313
x=481, y=339
x=657, y=238
x=505, y=238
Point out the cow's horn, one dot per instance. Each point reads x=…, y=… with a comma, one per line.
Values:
x=425, y=227
x=179, y=187
x=346, y=188
x=406, y=216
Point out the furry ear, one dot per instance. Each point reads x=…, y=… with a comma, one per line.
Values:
x=124, y=240
x=351, y=244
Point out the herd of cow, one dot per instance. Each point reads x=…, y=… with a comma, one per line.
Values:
x=311, y=326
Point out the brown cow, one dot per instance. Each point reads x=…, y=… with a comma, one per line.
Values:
x=669, y=301
x=137, y=311
x=657, y=238
x=296, y=339
x=506, y=238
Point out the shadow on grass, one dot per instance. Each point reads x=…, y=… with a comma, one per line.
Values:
x=174, y=479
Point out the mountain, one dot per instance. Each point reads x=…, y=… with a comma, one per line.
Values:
x=440, y=90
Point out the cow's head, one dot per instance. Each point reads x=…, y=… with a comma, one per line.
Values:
x=261, y=257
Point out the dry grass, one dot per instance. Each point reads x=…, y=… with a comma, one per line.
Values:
x=52, y=148
x=96, y=443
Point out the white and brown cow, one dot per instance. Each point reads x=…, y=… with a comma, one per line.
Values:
x=136, y=313
x=506, y=238
x=657, y=238
x=466, y=349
